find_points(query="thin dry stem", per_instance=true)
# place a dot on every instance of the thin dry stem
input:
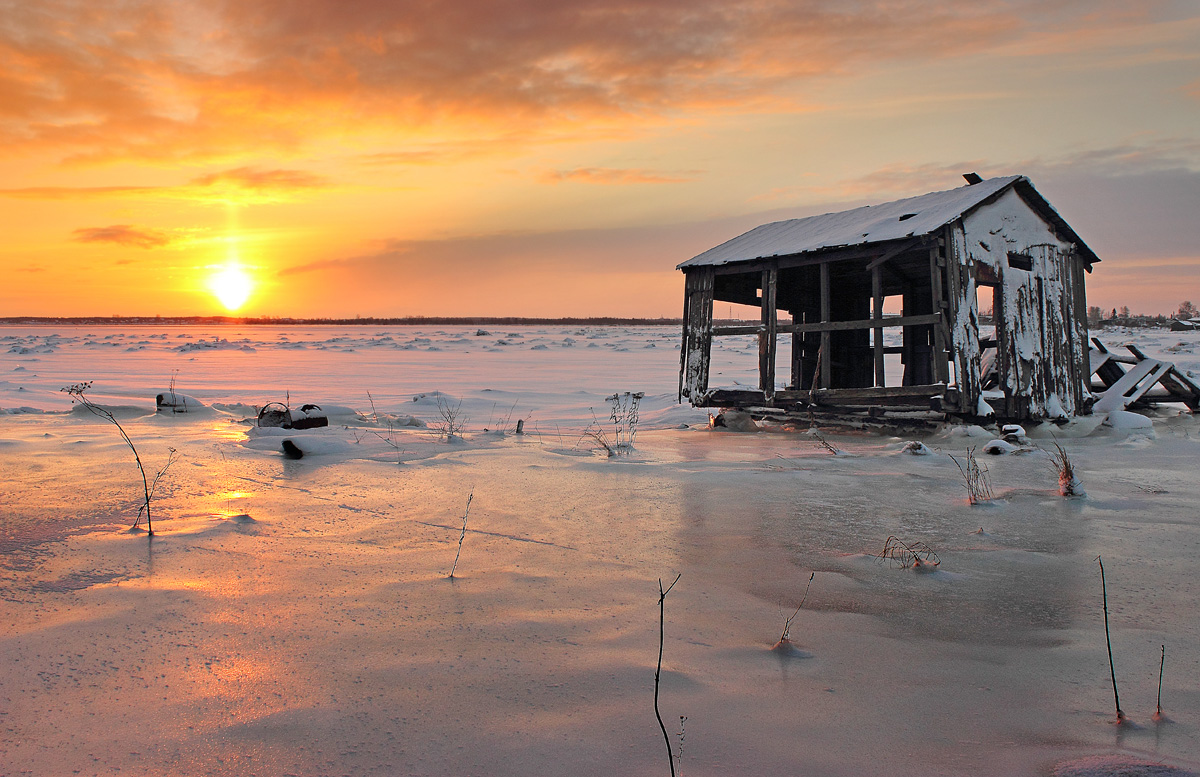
(662, 597)
(463, 535)
(77, 392)
(787, 623)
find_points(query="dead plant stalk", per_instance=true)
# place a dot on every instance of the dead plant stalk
(662, 619)
(1112, 669)
(975, 479)
(77, 392)
(463, 534)
(787, 623)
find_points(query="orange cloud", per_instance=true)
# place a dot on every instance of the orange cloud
(244, 185)
(206, 81)
(906, 180)
(123, 234)
(609, 175)
(256, 179)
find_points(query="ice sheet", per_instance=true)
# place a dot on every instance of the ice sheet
(294, 616)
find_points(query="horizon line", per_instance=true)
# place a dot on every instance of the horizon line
(342, 321)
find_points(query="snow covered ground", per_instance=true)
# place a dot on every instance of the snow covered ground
(295, 616)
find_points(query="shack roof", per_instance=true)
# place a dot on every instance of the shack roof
(881, 223)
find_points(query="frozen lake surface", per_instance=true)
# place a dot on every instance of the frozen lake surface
(295, 616)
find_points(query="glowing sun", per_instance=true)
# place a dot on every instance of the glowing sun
(231, 285)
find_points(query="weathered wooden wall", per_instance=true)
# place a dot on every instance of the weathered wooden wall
(697, 334)
(963, 315)
(1041, 332)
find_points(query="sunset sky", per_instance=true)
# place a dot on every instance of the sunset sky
(534, 158)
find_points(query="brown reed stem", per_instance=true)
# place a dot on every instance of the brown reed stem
(1111, 667)
(662, 596)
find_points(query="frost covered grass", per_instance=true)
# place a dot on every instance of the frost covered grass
(451, 423)
(915, 555)
(974, 478)
(1068, 483)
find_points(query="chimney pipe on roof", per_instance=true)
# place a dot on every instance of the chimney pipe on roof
(972, 178)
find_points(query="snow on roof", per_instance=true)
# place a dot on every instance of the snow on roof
(873, 224)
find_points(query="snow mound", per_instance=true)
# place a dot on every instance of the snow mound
(314, 446)
(734, 421)
(999, 448)
(170, 401)
(1123, 419)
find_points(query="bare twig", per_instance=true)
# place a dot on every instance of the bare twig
(679, 757)
(154, 484)
(1111, 666)
(1161, 663)
(390, 439)
(821, 441)
(597, 434)
(787, 624)
(662, 596)
(77, 393)
(452, 423)
(463, 535)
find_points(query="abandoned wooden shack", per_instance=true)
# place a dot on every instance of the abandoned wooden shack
(877, 309)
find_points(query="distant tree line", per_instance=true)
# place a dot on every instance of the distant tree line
(1098, 317)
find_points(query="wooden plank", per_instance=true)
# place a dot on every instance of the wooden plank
(1137, 352)
(767, 338)
(832, 326)
(825, 377)
(881, 393)
(1098, 359)
(1182, 388)
(918, 397)
(1108, 368)
(1131, 386)
(744, 329)
(893, 253)
(877, 318)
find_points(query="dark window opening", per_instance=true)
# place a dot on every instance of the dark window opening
(1020, 261)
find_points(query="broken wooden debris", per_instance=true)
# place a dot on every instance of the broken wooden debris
(1127, 381)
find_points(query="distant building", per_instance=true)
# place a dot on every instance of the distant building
(935, 255)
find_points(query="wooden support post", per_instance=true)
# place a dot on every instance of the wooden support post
(877, 317)
(767, 337)
(941, 367)
(698, 338)
(825, 378)
(962, 318)
(685, 347)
